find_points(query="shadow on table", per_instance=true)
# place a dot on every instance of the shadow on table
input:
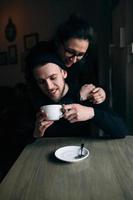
(51, 157)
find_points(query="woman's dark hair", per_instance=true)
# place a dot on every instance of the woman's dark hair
(74, 27)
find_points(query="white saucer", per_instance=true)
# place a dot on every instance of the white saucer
(71, 153)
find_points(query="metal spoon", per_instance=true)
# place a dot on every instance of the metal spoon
(82, 146)
(81, 152)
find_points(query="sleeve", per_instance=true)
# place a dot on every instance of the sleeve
(107, 120)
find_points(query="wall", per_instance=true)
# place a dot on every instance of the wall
(122, 62)
(129, 64)
(118, 60)
(37, 16)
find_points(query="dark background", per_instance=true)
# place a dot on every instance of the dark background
(112, 24)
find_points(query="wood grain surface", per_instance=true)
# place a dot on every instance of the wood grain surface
(107, 174)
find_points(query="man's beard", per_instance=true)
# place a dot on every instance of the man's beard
(62, 93)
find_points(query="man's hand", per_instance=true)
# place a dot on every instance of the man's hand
(41, 124)
(95, 94)
(76, 112)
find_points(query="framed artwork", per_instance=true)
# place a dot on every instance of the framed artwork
(3, 58)
(30, 40)
(12, 54)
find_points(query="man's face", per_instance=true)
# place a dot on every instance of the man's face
(73, 50)
(51, 80)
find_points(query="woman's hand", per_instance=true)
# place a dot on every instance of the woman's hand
(95, 94)
(41, 124)
(98, 95)
(76, 112)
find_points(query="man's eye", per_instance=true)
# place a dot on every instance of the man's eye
(53, 77)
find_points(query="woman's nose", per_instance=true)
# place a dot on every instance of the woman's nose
(74, 59)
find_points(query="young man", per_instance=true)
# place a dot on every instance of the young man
(47, 77)
(71, 43)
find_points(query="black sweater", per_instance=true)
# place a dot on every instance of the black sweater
(105, 119)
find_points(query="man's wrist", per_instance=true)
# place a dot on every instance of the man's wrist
(92, 112)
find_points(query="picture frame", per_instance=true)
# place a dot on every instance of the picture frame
(30, 40)
(12, 54)
(3, 58)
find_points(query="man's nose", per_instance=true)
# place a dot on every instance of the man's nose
(49, 84)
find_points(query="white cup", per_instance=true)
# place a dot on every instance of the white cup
(53, 112)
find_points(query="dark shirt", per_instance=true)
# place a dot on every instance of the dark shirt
(105, 119)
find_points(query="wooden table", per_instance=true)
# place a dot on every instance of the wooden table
(107, 174)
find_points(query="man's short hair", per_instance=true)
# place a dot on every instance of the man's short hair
(39, 59)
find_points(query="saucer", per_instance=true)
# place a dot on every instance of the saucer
(71, 153)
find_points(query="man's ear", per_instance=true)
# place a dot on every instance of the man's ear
(64, 72)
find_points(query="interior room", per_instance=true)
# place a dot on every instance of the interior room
(24, 23)
(37, 20)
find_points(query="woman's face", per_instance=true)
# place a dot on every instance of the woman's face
(73, 50)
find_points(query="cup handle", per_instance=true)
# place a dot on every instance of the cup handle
(61, 115)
